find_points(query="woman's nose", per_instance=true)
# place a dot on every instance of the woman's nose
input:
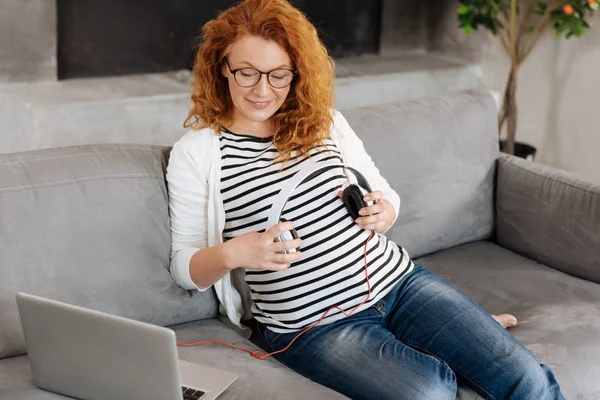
(262, 88)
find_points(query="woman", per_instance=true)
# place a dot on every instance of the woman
(261, 113)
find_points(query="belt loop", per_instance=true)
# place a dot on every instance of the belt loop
(380, 306)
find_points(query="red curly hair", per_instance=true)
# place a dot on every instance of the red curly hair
(305, 118)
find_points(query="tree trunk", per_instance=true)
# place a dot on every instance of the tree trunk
(508, 115)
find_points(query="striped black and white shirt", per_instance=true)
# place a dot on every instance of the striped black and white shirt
(331, 270)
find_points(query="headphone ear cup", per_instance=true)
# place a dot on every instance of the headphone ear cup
(287, 235)
(353, 200)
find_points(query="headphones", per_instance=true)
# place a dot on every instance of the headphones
(352, 197)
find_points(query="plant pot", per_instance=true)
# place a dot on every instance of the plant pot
(522, 150)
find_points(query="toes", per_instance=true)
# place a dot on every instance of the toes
(506, 320)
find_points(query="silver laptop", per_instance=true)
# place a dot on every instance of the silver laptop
(87, 354)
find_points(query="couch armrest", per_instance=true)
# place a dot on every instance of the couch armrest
(549, 215)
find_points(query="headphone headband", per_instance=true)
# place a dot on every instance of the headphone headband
(301, 176)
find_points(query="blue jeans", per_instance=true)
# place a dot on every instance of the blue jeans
(415, 343)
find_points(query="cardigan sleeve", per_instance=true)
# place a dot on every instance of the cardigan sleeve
(187, 182)
(355, 155)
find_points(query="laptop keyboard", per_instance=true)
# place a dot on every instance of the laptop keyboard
(191, 394)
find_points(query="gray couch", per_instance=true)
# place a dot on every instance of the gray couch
(89, 225)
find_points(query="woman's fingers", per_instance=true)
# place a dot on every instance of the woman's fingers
(286, 258)
(373, 209)
(376, 195)
(278, 229)
(368, 220)
(280, 247)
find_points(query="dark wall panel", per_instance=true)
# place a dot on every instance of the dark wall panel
(347, 27)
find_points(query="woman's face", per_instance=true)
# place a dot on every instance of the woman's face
(257, 103)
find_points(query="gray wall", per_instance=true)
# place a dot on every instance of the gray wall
(558, 93)
(558, 98)
(27, 40)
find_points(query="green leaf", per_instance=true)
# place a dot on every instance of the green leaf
(464, 10)
(543, 5)
(530, 29)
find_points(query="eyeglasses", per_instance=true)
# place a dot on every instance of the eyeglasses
(248, 77)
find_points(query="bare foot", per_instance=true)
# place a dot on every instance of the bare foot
(506, 320)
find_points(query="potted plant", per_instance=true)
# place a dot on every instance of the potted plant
(519, 24)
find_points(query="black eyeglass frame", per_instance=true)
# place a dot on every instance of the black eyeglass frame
(234, 71)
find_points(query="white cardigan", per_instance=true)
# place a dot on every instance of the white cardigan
(197, 213)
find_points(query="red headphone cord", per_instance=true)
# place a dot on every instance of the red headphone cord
(261, 355)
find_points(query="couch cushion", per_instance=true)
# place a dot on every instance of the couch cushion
(257, 379)
(549, 215)
(89, 225)
(439, 155)
(559, 315)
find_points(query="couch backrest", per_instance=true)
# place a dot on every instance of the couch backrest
(89, 225)
(439, 154)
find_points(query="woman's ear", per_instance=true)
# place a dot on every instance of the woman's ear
(224, 69)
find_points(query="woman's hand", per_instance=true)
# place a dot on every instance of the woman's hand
(377, 217)
(260, 251)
